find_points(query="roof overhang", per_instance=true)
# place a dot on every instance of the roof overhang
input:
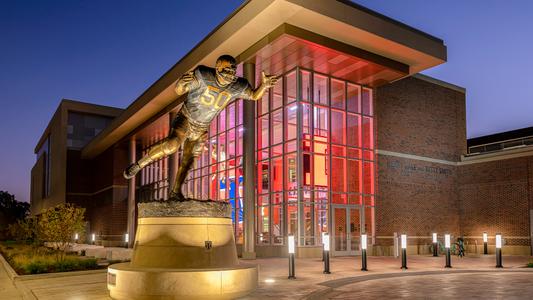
(340, 21)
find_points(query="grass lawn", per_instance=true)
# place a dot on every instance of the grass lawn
(26, 259)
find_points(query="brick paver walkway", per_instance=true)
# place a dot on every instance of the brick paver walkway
(426, 277)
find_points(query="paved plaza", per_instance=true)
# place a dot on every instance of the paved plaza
(426, 278)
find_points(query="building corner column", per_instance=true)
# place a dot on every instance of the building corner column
(248, 251)
(132, 216)
(173, 159)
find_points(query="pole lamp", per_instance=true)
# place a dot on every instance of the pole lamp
(447, 244)
(499, 251)
(363, 252)
(435, 245)
(325, 241)
(291, 256)
(485, 241)
(403, 239)
(324, 234)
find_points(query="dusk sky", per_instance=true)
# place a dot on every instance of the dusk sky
(109, 52)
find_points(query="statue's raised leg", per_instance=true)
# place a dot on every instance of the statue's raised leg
(163, 148)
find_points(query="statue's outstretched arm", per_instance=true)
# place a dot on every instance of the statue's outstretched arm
(267, 81)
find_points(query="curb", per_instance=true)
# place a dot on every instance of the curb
(18, 280)
(13, 276)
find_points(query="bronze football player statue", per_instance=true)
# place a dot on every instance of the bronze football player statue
(210, 90)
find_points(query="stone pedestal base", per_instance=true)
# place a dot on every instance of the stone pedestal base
(126, 282)
(183, 250)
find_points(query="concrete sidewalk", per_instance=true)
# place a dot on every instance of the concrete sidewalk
(8, 290)
(310, 282)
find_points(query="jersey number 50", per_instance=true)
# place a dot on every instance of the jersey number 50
(212, 96)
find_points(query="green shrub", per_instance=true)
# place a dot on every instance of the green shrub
(26, 259)
(36, 267)
(530, 264)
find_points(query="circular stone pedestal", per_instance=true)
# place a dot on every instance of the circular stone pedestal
(127, 282)
(183, 250)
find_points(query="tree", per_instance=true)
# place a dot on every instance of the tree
(11, 210)
(24, 230)
(59, 224)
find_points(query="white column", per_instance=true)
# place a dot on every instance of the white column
(248, 251)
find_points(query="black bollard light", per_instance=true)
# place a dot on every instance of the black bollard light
(93, 239)
(435, 245)
(325, 241)
(404, 251)
(447, 244)
(363, 252)
(485, 240)
(324, 234)
(76, 237)
(126, 240)
(499, 251)
(291, 256)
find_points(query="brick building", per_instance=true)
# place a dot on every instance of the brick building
(352, 140)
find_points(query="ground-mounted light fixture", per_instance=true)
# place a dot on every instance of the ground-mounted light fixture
(324, 234)
(325, 242)
(403, 242)
(93, 238)
(76, 237)
(126, 239)
(485, 241)
(363, 252)
(290, 242)
(447, 245)
(499, 251)
(435, 245)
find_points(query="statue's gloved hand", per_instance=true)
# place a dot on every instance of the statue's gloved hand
(268, 81)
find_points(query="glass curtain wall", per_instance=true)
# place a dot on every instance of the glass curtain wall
(153, 182)
(218, 173)
(315, 148)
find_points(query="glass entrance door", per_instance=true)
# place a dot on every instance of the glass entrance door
(346, 222)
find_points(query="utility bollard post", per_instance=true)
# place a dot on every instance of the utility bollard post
(447, 244)
(291, 257)
(435, 245)
(499, 251)
(485, 240)
(404, 251)
(325, 241)
(363, 252)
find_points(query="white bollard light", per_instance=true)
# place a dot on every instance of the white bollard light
(499, 241)
(325, 241)
(364, 245)
(485, 240)
(499, 251)
(447, 245)
(403, 239)
(435, 245)
(447, 242)
(290, 241)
